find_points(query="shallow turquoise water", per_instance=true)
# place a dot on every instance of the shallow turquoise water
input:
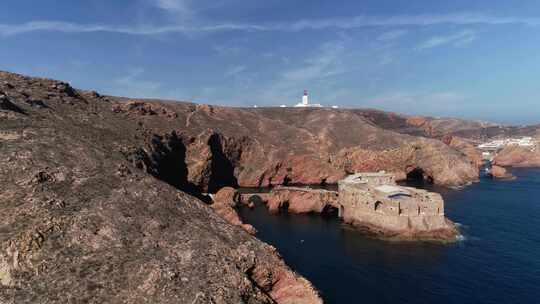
(498, 262)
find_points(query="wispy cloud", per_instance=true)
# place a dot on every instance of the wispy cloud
(182, 10)
(405, 20)
(458, 39)
(172, 5)
(234, 71)
(66, 27)
(326, 63)
(336, 23)
(392, 35)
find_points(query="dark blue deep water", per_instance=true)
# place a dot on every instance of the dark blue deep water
(498, 262)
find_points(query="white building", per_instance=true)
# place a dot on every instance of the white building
(305, 102)
(500, 143)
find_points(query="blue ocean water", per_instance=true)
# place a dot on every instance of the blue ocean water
(497, 262)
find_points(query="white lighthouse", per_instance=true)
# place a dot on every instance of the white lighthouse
(305, 102)
(305, 99)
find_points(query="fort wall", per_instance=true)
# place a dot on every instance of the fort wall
(374, 201)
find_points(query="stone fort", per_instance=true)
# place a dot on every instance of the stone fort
(374, 201)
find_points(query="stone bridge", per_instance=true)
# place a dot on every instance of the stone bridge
(297, 199)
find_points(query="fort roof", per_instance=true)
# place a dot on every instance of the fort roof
(360, 177)
(391, 190)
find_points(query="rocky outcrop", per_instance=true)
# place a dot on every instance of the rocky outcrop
(144, 108)
(100, 194)
(6, 105)
(83, 221)
(514, 156)
(436, 162)
(301, 200)
(225, 202)
(499, 173)
(283, 146)
(468, 149)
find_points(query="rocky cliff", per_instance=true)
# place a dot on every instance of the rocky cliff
(302, 200)
(466, 147)
(94, 191)
(514, 156)
(279, 146)
(81, 223)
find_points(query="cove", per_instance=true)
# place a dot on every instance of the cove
(497, 262)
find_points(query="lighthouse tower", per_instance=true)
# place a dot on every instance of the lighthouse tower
(305, 99)
(305, 102)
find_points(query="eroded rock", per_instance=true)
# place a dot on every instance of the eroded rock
(499, 172)
(301, 200)
(515, 156)
(224, 203)
(82, 224)
(7, 105)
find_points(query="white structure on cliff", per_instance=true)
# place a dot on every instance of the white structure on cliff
(305, 102)
(501, 143)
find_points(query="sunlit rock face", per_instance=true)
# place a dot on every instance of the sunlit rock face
(514, 156)
(102, 196)
(499, 172)
(289, 146)
(301, 200)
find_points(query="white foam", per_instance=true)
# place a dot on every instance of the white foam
(461, 238)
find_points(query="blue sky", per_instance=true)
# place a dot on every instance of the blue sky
(472, 59)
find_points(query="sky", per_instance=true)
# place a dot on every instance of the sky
(462, 58)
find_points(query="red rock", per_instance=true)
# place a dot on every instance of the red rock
(301, 200)
(440, 164)
(515, 156)
(417, 121)
(143, 109)
(227, 196)
(499, 172)
(224, 204)
(76, 206)
(467, 148)
(274, 146)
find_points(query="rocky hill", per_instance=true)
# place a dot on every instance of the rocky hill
(94, 191)
(81, 224)
(514, 156)
(270, 146)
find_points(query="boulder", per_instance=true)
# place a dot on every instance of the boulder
(499, 172)
(227, 196)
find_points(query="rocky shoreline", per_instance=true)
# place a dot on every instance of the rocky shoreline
(409, 214)
(517, 157)
(104, 199)
(82, 221)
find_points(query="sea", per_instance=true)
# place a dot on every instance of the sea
(496, 260)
